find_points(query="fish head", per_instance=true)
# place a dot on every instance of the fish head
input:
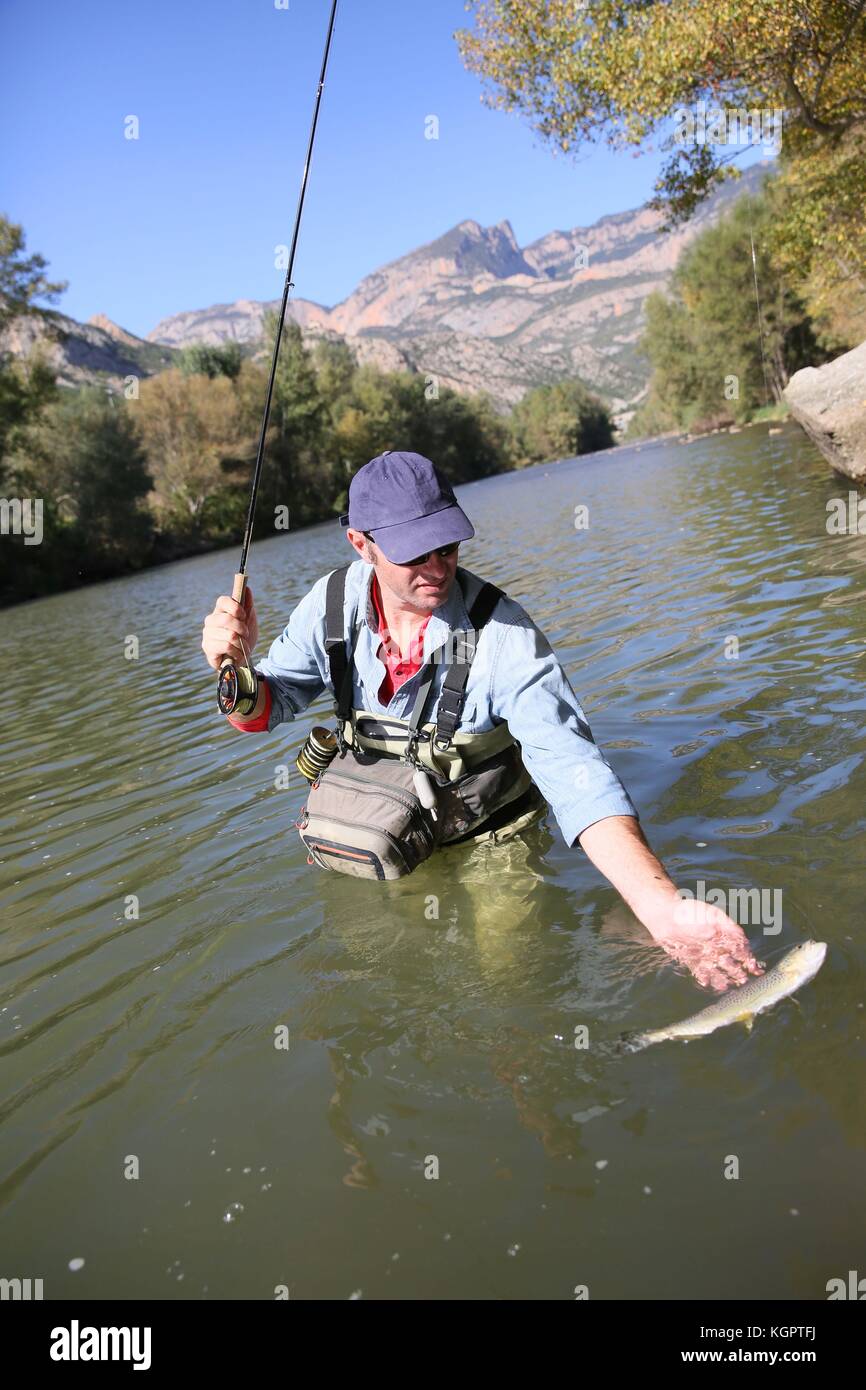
(804, 962)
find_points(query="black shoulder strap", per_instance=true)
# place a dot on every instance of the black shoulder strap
(453, 691)
(335, 643)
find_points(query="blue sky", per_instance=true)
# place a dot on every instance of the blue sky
(189, 214)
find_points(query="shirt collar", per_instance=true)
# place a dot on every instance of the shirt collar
(375, 603)
(450, 616)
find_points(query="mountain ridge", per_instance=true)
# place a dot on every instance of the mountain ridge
(476, 310)
(470, 308)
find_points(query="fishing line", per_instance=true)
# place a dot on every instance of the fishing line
(238, 682)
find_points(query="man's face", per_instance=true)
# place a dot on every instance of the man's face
(418, 587)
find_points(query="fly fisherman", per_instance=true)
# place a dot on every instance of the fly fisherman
(455, 721)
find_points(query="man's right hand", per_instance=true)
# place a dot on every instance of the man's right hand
(225, 628)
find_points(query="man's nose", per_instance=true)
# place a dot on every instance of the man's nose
(436, 567)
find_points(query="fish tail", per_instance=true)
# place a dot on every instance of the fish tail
(630, 1042)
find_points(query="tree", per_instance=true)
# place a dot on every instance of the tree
(335, 368)
(26, 386)
(195, 430)
(559, 421)
(22, 278)
(395, 410)
(297, 404)
(81, 458)
(462, 434)
(622, 70)
(819, 237)
(207, 360)
(715, 357)
(376, 416)
(85, 455)
(298, 476)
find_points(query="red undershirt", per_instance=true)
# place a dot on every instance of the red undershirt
(397, 668)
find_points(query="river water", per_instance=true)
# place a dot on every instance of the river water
(153, 1129)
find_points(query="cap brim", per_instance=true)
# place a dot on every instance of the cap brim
(407, 539)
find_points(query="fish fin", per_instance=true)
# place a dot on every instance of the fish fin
(747, 1019)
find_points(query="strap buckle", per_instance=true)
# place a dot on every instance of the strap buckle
(463, 647)
(450, 704)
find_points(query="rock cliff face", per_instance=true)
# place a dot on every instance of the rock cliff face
(830, 404)
(472, 308)
(84, 353)
(477, 311)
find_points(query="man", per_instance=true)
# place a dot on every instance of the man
(405, 525)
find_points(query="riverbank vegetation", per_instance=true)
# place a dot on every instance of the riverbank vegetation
(705, 80)
(163, 468)
(729, 333)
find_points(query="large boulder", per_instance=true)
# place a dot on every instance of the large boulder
(830, 403)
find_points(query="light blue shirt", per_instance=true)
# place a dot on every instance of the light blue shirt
(515, 676)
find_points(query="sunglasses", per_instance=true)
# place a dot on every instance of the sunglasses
(444, 551)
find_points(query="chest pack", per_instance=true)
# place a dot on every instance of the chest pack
(399, 788)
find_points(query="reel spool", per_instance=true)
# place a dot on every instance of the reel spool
(318, 752)
(237, 689)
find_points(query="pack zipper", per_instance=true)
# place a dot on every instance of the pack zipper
(407, 798)
(351, 825)
(404, 799)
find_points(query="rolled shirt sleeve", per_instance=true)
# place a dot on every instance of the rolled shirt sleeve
(532, 692)
(296, 661)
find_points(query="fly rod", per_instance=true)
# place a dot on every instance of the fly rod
(239, 682)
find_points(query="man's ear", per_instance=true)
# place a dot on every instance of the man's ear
(363, 549)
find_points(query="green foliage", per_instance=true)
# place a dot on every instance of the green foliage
(204, 359)
(770, 413)
(819, 237)
(298, 474)
(82, 459)
(22, 278)
(195, 430)
(25, 387)
(653, 417)
(463, 434)
(559, 421)
(298, 406)
(621, 70)
(704, 339)
(335, 369)
(405, 411)
(84, 453)
(125, 482)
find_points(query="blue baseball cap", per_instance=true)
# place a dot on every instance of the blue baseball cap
(407, 506)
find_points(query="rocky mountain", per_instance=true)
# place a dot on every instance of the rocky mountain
(478, 311)
(84, 353)
(472, 308)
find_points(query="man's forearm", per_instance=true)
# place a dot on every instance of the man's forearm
(694, 933)
(618, 849)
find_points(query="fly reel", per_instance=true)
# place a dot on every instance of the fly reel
(237, 690)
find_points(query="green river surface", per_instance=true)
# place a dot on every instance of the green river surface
(413, 1037)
